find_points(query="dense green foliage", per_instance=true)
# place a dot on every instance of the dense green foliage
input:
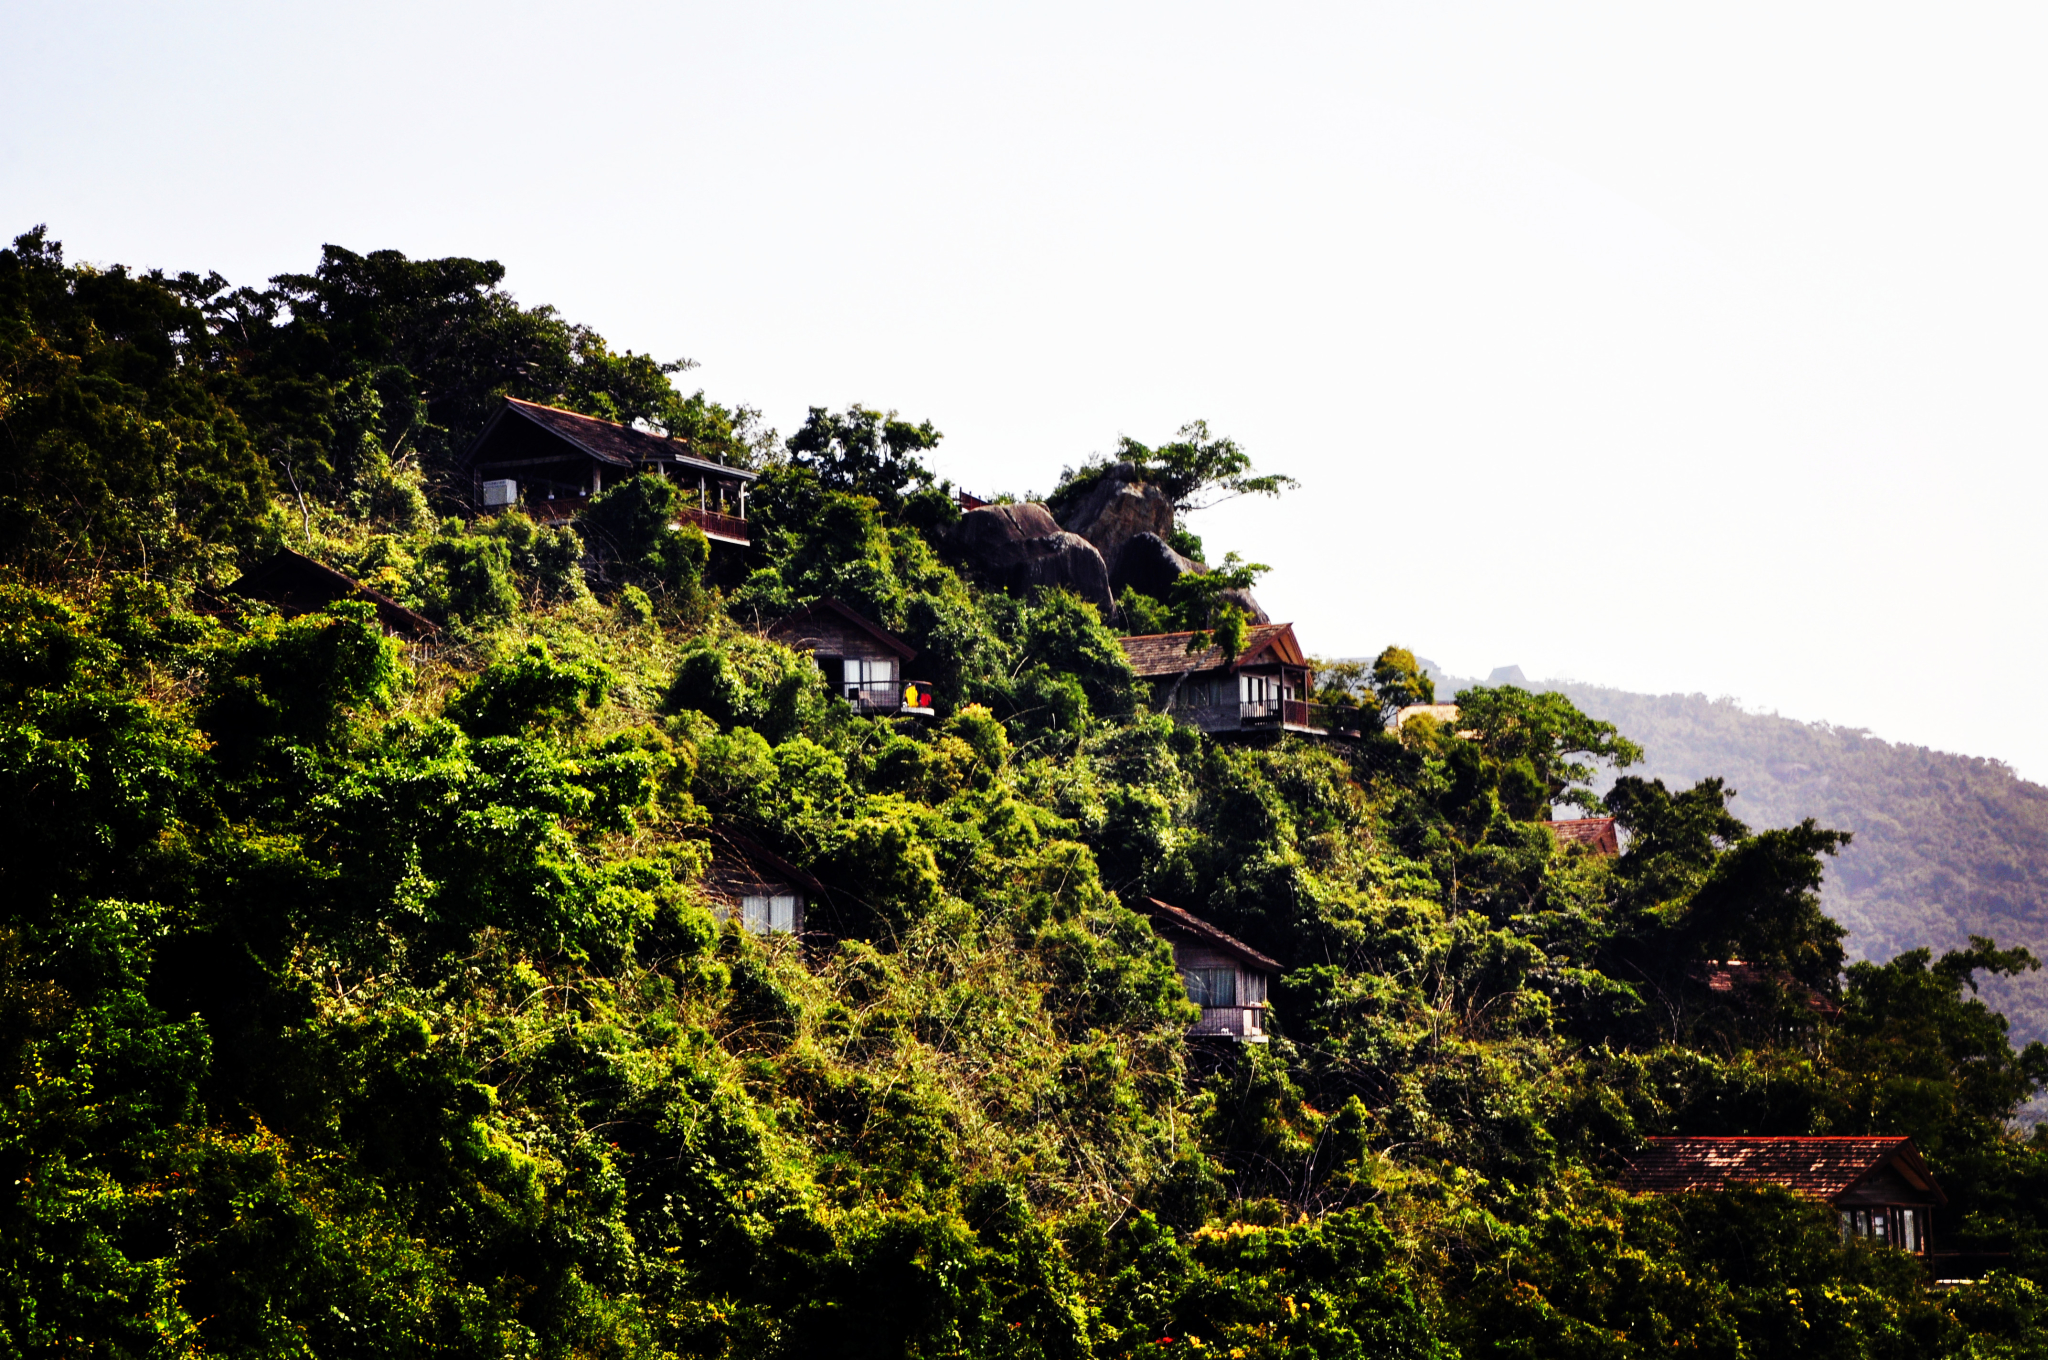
(358, 1000)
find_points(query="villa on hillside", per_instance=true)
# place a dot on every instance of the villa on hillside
(550, 462)
(863, 661)
(1879, 1186)
(296, 584)
(753, 885)
(1264, 688)
(1225, 976)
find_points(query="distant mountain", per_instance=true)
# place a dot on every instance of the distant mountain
(1946, 846)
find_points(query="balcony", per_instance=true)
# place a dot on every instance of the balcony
(717, 527)
(1288, 715)
(1232, 1022)
(890, 698)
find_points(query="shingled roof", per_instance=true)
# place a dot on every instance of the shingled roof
(1168, 917)
(1167, 653)
(1596, 832)
(1820, 1167)
(605, 440)
(789, 628)
(298, 584)
(1734, 978)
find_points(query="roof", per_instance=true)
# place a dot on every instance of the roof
(746, 848)
(1168, 917)
(1821, 1167)
(1732, 976)
(605, 440)
(1597, 832)
(835, 609)
(299, 584)
(1168, 654)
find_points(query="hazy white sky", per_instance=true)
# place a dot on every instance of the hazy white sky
(1668, 347)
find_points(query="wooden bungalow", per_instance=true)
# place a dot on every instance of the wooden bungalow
(1596, 833)
(296, 584)
(550, 462)
(1264, 688)
(751, 884)
(1225, 976)
(1879, 1186)
(863, 661)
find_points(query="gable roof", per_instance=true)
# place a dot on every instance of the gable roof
(1597, 832)
(298, 584)
(1172, 919)
(1167, 653)
(605, 440)
(746, 848)
(831, 609)
(1821, 1167)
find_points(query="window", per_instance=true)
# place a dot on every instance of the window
(867, 675)
(766, 915)
(1211, 986)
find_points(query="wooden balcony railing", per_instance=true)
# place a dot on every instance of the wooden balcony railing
(731, 528)
(889, 698)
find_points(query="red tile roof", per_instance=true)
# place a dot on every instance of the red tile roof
(1597, 832)
(1168, 917)
(1820, 1167)
(1168, 654)
(605, 440)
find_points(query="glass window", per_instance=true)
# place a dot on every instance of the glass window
(1211, 986)
(1909, 1230)
(765, 914)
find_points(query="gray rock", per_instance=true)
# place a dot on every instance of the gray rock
(1149, 564)
(1118, 509)
(1018, 546)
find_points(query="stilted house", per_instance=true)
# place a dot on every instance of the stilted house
(296, 584)
(1225, 976)
(1879, 1186)
(1596, 833)
(863, 661)
(550, 462)
(751, 884)
(1264, 688)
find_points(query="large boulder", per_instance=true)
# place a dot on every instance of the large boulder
(1149, 564)
(1120, 507)
(1017, 546)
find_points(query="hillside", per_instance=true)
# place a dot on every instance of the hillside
(1946, 846)
(583, 913)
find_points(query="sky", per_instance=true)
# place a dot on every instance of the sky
(1673, 348)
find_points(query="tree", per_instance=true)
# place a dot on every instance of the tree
(1196, 470)
(866, 452)
(1545, 731)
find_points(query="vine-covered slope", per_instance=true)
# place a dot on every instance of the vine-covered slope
(359, 998)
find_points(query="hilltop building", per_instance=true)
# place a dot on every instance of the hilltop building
(1225, 976)
(1264, 688)
(550, 462)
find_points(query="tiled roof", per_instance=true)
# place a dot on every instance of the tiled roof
(1733, 977)
(606, 440)
(1169, 917)
(1168, 654)
(1597, 832)
(1820, 1167)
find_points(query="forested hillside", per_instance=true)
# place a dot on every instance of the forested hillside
(363, 996)
(1946, 846)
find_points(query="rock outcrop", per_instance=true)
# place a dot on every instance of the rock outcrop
(1117, 509)
(1149, 564)
(1016, 546)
